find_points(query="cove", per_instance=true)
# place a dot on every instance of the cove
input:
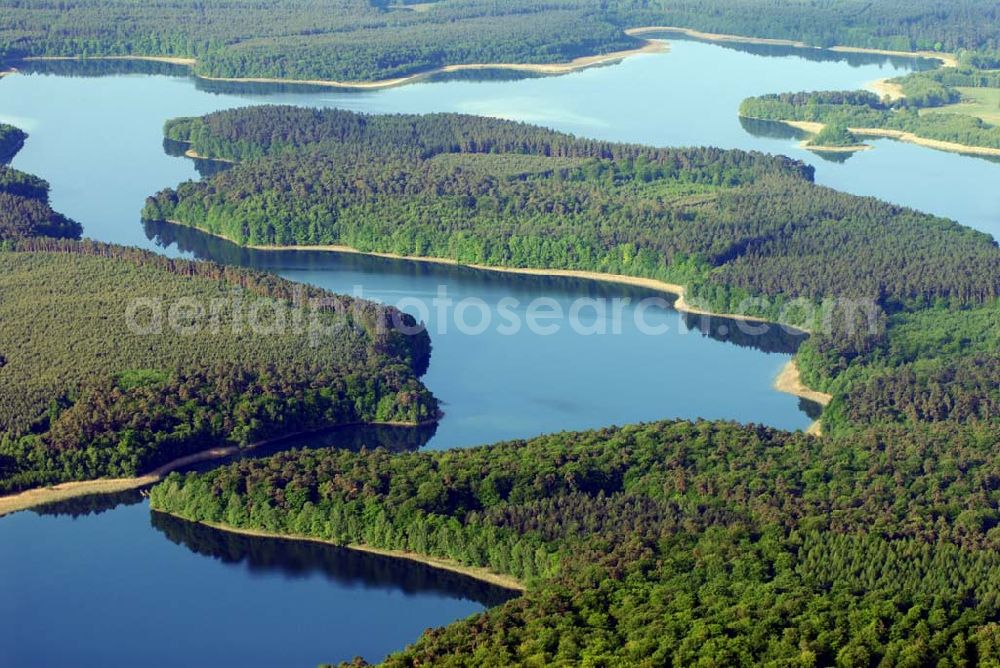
(220, 600)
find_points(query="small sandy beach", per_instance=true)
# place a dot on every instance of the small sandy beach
(789, 381)
(885, 88)
(194, 155)
(909, 137)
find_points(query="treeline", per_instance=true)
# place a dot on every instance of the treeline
(352, 40)
(671, 542)
(11, 141)
(208, 355)
(397, 49)
(251, 132)
(24, 198)
(922, 92)
(356, 40)
(933, 365)
(885, 24)
(729, 224)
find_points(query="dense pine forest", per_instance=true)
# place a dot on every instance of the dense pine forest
(11, 141)
(24, 198)
(872, 543)
(217, 355)
(93, 391)
(86, 395)
(730, 225)
(357, 40)
(672, 543)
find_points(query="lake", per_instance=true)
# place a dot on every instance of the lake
(103, 582)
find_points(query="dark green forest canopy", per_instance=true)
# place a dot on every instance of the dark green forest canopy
(364, 40)
(669, 543)
(24, 198)
(90, 388)
(728, 224)
(11, 141)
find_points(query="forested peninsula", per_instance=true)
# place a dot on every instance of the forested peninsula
(730, 226)
(212, 355)
(370, 40)
(923, 110)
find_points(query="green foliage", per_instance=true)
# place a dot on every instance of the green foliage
(354, 40)
(730, 225)
(932, 365)
(11, 141)
(923, 91)
(834, 134)
(90, 390)
(24, 198)
(667, 543)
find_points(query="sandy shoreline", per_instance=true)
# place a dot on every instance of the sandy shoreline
(475, 572)
(835, 149)
(583, 62)
(946, 59)
(887, 89)
(789, 381)
(651, 46)
(900, 135)
(172, 60)
(678, 291)
(194, 155)
(39, 496)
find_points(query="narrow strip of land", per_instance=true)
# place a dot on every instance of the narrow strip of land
(40, 496)
(475, 572)
(583, 62)
(946, 59)
(901, 135)
(172, 60)
(68, 490)
(835, 149)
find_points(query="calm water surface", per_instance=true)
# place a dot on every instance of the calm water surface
(121, 586)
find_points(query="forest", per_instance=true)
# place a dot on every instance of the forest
(914, 112)
(730, 225)
(361, 40)
(672, 543)
(24, 198)
(11, 141)
(88, 392)
(216, 355)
